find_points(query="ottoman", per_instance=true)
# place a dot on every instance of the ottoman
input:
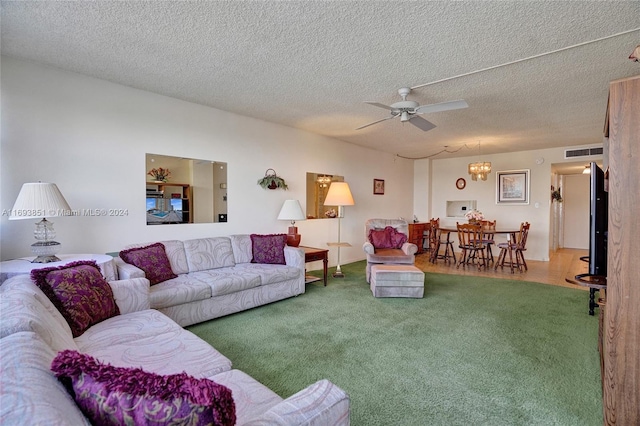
(397, 281)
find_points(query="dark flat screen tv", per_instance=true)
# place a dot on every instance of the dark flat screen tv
(598, 223)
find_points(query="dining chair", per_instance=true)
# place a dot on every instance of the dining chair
(516, 247)
(488, 236)
(470, 237)
(440, 238)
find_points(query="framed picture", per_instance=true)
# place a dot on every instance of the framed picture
(512, 187)
(378, 187)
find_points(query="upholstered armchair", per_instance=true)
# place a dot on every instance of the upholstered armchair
(386, 243)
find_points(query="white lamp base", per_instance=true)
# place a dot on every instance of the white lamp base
(45, 251)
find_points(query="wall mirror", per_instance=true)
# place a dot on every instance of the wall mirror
(185, 190)
(317, 187)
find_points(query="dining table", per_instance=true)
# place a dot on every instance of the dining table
(511, 232)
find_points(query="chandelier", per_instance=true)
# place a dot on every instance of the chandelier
(324, 180)
(479, 169)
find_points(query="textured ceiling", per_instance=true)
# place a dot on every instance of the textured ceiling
(311, 65)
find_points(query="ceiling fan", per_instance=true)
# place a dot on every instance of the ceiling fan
(410, 110)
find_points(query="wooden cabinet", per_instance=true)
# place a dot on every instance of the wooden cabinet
(621, 345)
(416, 234)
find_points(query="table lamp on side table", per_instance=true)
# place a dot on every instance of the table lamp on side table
(339, 195)
(291, 210)
(41, 200)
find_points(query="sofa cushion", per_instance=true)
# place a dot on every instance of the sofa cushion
(152, 259)
(30, 394)
(228, 280)
(242, 248)
(25, 307)
(208, 253)
(151, 339)
(268, 248)
(177, 291)
(111, 395)
(79, 291)
(390, 256)
(270, 274)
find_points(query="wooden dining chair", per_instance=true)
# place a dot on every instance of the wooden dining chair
(470, 237)
(516, 247)
(439, 239)
(487, 227)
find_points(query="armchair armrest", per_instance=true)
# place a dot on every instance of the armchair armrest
(131, 295)
(320, 404)
(127, 271)
(294, 256)
(368, 248)
(409, 248)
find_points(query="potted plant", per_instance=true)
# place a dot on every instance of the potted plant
(160, 174)
(272, 181)
(474, 216)
(556, 195)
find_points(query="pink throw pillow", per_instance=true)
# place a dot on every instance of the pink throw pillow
(152, 259)
(268, 248)
(79, 291)
(110, 395)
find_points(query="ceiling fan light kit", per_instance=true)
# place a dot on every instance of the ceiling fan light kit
(410, 110)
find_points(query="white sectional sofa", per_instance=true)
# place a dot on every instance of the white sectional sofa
(216, 277)
(33, 331)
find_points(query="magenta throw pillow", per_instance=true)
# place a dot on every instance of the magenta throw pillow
(396, 238)
(389, 237)
(152, 259)
(268, 248)
(379, 238)
(79, 291)
(109, 395)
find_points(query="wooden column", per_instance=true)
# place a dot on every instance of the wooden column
(621, 381)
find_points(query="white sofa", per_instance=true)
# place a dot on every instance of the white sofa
(32, 332)
(216, 278)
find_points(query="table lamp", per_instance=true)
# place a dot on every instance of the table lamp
(339, 195)
(41, 200)
(291, 210)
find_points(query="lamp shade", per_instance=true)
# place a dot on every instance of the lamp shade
(39, 200)
(291, 210)
(339, 194)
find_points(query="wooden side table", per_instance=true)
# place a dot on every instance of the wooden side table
(594, 282)
(312, 254)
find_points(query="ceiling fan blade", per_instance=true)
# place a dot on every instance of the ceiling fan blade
(442, 106)
(376, 122)
(379, 105)
(421, 123)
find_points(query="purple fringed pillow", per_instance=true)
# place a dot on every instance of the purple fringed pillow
(152, 259)
(109, 395)
(379, 238)
(79, 291)
(268, 248)
(396, 238)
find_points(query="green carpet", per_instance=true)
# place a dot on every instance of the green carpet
(473, 351)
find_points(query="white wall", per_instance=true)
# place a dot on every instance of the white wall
(575, 195)
(445, 172)
(90, 137)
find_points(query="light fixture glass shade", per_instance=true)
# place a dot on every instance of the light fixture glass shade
(291, 210)
(587, 170)
(38, 201)
(339, 194)
(479, 170)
